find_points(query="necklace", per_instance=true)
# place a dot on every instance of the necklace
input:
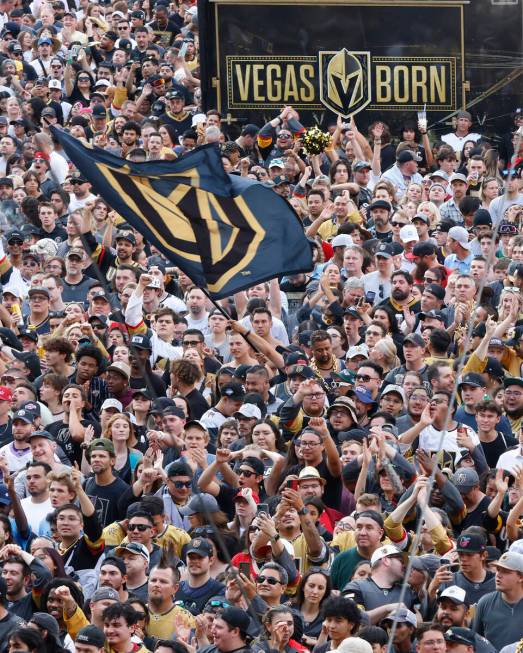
(334, 366)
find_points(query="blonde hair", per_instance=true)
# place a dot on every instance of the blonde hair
(387, 348)
(435, 215)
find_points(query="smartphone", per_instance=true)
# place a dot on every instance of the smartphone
(183, 50)
(245, 569)
(370, 296)
(297, 562)
(263, 507)
(293, 484)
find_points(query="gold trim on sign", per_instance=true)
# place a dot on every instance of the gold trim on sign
(218, 66)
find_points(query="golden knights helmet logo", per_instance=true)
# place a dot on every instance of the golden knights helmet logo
(345, 81)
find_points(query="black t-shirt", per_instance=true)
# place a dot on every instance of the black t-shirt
(197, 404)
(159, 387)
(63, 437)
(494, 449)
(194, 599)
(105, 499)
(58, 234)
(333, 486)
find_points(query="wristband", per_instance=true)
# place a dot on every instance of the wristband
(275, 538)
(247, 333)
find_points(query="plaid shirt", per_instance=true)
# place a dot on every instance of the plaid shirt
(449, 211)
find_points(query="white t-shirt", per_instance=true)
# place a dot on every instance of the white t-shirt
(429, 439)
(510, 459)
(457, 142)
(36, 512)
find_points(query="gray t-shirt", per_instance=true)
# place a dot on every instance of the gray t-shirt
(498, 621)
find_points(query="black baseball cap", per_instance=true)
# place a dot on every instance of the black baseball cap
(233, 390)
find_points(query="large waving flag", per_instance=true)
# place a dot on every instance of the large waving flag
(225, 232)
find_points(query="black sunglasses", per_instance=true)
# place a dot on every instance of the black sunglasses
(181, 484)
(138, 527)
(246, 472)
(270, 580)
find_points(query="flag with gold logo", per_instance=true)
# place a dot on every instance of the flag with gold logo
(225, 232)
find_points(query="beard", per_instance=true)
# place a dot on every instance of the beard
(420, 270)
(400, 295)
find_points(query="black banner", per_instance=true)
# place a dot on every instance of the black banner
(377, 58)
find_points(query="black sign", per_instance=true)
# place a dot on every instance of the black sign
(350, 57)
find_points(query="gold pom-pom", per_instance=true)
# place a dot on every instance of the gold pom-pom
(315, 141)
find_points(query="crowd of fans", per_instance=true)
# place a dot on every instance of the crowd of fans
(329, 461)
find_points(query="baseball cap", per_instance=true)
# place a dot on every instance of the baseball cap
(249, 410)
(100, 295)
(384, 250)
(38, 290)
(385, 551)
(415, 339)
(408, 234)
(380, 204)
(341, 240)
(402, 616)
(24, 415)
(41, 434)
(361, 165)
(304, 371)
(397, 389)
(353, 312)
(112, 403)
(75, 251)
(421, 216)
(363, 395)
(141, 341)
(126, 235)
(464, 114)
(465, 479)
(281, 179)
(511, 560)
(453, 593)
(233, 390)
(133, 547)
(457, 176)
(179, 468)
(14, 234)
(345, 376)
(460, 635)
(200, 503)
(276, 163)
(357, 350)
(496, 342)
(99, 111)
(250, 130)
(435, 290)
(235, 617)
(200, 546)
(470, 543)
(406, 156)
(101, 444)
(473, 379)
(353, 645)
(437, 315)
(105, 593)
(92, 635)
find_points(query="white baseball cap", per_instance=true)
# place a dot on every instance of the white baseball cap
(408, 234)
(341, 240)
(353, 645)
(112, 403)
(384, 552)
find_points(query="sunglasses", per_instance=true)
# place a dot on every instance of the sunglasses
(138, 527)
(219, 604)
(266, 579)
(398, 224)
(200, 531)
(284, 135)
(181, 484)
(246, 472)
(365, 377)
(190, 343)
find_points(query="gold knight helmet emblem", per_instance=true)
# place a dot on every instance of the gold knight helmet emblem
(345, 81)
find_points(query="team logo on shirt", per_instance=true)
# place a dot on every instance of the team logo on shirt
(345, 81)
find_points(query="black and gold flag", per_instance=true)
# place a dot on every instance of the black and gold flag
(225, 232)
